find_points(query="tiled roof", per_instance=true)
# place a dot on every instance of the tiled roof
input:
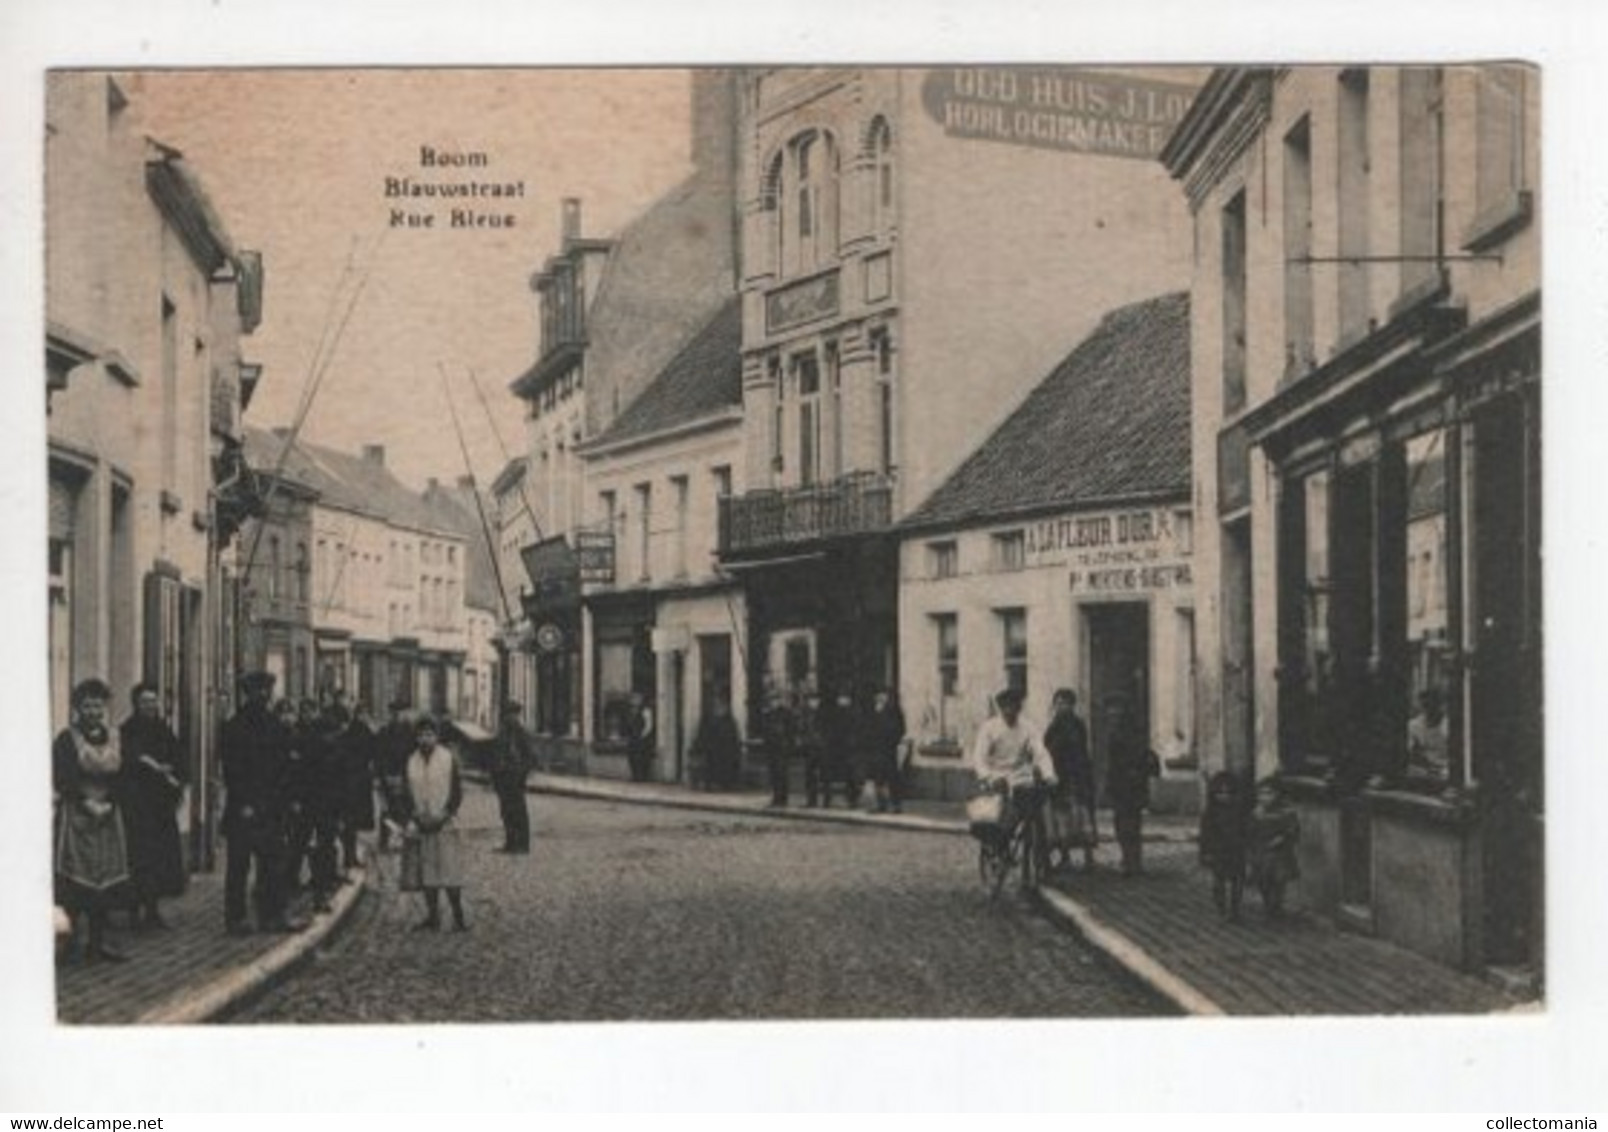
(704, 377)
(1111, 422)
(343, 480)
(456, 505)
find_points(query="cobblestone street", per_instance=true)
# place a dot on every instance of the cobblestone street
(632, 912)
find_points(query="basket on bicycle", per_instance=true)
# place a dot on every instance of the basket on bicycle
(989, 813)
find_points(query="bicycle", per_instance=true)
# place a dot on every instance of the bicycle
(1006, 822)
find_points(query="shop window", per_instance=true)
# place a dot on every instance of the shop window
(1010, 550)
(1013, 632)
(1307, 664)
(1428, 669)
(614, 690)
(943, 559)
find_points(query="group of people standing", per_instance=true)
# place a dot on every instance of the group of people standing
(843, 745)
(1009, 750)
(117, 795)
(298, 789)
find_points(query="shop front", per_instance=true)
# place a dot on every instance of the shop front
(554, 612)
(623, 675)
(1409, 631)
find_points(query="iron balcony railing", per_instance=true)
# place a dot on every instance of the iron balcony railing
(775, 518)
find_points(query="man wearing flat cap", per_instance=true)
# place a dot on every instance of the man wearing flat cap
(255, 752)
(511, 761)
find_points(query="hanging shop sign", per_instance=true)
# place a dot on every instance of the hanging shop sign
(549, 637)
(1064, 108)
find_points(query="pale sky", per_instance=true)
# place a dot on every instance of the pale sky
(295, 162)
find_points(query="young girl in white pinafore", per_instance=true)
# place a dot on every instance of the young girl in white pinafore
(434, 793)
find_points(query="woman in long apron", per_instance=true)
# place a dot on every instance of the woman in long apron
(91, 855)
(434, 793)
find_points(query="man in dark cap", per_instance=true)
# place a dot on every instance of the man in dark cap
(1130, 765)
(255, 751)
(511, 762)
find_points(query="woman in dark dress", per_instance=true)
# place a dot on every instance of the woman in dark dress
(91, 851)
(1067, 740)
(717, 747)
(153, 770)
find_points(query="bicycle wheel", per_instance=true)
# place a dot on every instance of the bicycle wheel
(1027, 847)
(994, 864)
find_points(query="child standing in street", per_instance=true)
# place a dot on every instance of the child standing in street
(1275, 830)
(1223, 841)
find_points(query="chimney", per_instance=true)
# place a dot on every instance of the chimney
(374, 454)
(714, 123)
(570, 219)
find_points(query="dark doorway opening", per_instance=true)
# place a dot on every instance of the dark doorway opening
(1119, 666)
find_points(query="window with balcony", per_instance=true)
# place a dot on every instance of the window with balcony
(303, 572)
(1299, 351)
(943, 559)
(276, 567)
(834, 384)
(882, 350)
(806, 374)
(1234, 304)
(779, 414)
(1013, 634)
(721, 474)
(1009, 550)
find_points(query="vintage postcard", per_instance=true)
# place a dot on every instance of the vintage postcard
(807, 542)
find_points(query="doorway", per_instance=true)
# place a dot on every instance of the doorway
(1118, 636)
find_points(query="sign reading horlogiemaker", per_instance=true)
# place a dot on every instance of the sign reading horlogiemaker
(1057, 108)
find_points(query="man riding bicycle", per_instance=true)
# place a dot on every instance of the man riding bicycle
(1009, 755)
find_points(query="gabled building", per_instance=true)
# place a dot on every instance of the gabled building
(668, 624)
(1058, 555)
(383, 578)
(147, 303)
(1367, 407)
(614, 313)
(920, 247)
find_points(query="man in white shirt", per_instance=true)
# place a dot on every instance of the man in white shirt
(1008, 749)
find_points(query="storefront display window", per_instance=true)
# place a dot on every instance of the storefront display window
(1428, 643)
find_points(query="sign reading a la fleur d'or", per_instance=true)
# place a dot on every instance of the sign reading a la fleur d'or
(1111, 552)
(1065, 108)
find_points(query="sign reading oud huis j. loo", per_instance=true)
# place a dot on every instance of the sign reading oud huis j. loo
(1064, 108)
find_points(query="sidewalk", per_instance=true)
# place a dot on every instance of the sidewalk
(191, 972)
(1162, 926)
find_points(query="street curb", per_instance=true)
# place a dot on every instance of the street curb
(190, 1008)
(601, 791)
(1130, 956)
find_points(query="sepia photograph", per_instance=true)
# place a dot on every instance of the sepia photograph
(969, 541)
(1052, 545)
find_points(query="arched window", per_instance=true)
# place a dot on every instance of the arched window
(805, 200)
(880, 148)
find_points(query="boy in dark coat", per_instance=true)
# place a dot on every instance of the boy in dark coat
(255, 750)
(1223, 828)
